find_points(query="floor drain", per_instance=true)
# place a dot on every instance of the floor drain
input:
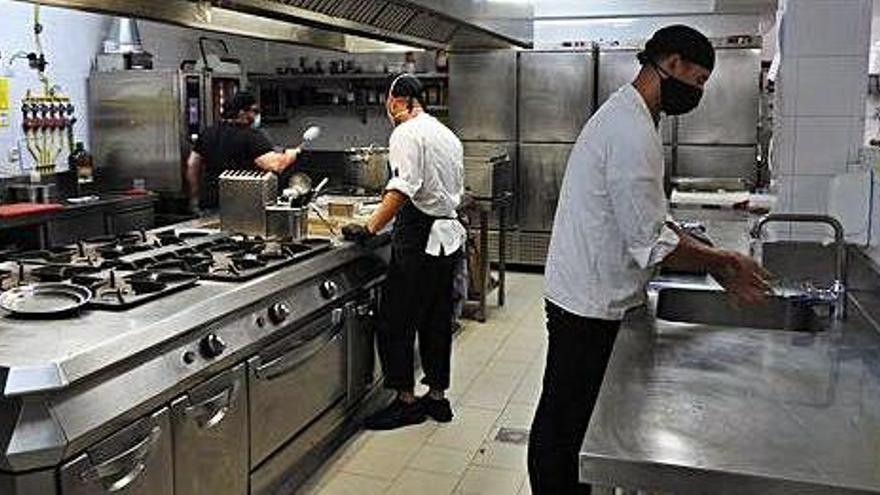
(516, 436)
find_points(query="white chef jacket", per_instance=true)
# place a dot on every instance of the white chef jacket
(427, 165)
(610, 231)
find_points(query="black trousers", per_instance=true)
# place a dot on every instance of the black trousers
(578, 352)
(417, 299)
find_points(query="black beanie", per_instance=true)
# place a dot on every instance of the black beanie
(685, 41)
(407, 86)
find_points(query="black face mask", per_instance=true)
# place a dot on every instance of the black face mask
(676, 96)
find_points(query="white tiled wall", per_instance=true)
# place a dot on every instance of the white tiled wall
(820, 107)
(822, 28)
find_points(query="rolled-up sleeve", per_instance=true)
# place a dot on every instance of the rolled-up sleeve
(407, 174)
(635, 185)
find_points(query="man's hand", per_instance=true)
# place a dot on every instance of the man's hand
(356, 232)
(742, 276)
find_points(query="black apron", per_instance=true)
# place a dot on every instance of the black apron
(412, 228)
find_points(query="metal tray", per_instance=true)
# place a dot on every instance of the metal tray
(45, 300)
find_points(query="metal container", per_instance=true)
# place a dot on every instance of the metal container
(287, 221)
(368, 168)
(488, 176)
(243, 199)
(30, 193)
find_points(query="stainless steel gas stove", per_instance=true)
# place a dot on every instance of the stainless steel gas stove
(205, 363)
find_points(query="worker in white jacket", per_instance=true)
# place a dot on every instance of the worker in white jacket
(426, 188)
(610, 232)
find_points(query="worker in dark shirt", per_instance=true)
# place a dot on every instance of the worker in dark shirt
(235, 143)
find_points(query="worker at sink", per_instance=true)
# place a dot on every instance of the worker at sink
(610, 232)
(426, 188)
(235, 143)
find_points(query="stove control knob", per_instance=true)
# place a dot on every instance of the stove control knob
(279, 312)
(211, 346)
(329, 289)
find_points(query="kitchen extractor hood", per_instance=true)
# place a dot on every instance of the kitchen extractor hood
(332, 23)
(435, 23)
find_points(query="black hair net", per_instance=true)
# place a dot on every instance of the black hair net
(685, 41)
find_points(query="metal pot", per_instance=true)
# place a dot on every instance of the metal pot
(287, 221)
(368, 168)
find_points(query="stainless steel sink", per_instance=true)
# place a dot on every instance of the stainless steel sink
(714, 307)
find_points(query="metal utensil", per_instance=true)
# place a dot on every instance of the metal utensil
(42, 300)
(311, 134)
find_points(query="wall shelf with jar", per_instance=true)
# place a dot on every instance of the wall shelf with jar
(280, 94)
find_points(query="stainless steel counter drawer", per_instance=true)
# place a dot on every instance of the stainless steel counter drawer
(210, 434)
(293, 381)
(136, 460)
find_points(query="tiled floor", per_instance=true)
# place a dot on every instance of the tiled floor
(497, 369)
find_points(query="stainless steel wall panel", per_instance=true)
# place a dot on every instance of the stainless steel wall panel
(482, 95)
(555, 94)
(135, 118)
(728, 113)
(542, 167)
(717, 161)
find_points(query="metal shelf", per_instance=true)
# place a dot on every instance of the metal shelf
(336, 77)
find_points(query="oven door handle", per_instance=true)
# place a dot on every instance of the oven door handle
(212, 411)
(130, 464)
(295, 357)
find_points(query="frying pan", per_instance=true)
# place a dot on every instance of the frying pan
(45, 300)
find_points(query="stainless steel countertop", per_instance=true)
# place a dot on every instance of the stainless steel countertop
(43, 355)
(690, 408)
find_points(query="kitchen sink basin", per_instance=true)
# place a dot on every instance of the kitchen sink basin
(714, 307)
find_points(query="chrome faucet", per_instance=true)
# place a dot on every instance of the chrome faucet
(835, 296)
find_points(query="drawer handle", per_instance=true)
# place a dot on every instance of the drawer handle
(299, 355)
(211, 412)
(129, 464)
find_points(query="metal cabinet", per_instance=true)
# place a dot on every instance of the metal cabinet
(210, 431)
(482, 95)
(136, 460)
(293, 381)
(555, 94)
(72, 227)
(728, 113)
(542, 167)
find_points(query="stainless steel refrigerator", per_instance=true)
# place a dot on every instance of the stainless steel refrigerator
(483, 113)
(720, 138)
(556, 98)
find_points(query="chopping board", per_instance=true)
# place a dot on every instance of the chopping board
(15, 210)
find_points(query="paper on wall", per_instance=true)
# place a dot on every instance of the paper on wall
(4, 102)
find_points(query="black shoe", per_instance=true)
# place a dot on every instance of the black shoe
(438, 409)
(397, 415)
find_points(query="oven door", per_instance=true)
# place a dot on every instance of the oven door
(136, 460)
(210, 428)
(363, 314)
(293, 381)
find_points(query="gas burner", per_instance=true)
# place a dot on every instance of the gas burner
(126, 271)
